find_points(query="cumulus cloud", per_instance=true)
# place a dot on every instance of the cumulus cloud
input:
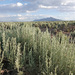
(47, 7)
(30, 6)
(61, 5)
(17, 8)
(19, 4)
(29, 17)
(9, 18)
(33, 5)
(19, 17)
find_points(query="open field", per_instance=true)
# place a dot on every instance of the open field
(37, 48)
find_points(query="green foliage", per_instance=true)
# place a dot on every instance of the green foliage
(36, 52)
(66, 26)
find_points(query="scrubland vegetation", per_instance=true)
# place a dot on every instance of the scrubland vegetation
(33, 51)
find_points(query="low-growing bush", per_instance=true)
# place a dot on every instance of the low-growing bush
(37, 53)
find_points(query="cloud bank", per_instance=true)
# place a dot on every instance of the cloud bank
(33, 5)
(20, 17)
(30, 6)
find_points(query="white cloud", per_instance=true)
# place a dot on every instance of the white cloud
(29, 17)
(68, 2)
(67, 16)
(34, 5)
(17, 8)
(19, 17)
(47, 7)
(30, 11)
(19, 4)
(61, 5)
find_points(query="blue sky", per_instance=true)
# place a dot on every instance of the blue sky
(28, 10)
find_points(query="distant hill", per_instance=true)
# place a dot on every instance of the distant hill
(48, 19)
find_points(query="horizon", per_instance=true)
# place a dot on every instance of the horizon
(29, 10)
